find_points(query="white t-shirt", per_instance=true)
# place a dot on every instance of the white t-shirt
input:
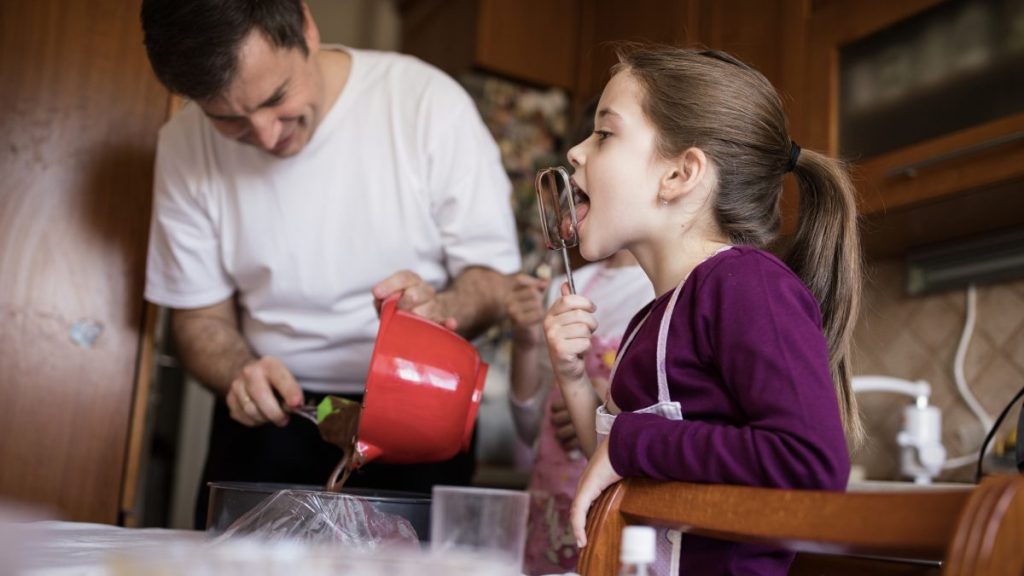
(400, 174)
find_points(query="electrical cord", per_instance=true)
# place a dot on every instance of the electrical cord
(960, 358)
(992, 433)
(960, 379)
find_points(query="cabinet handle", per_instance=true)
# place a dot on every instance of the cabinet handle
(910, 170)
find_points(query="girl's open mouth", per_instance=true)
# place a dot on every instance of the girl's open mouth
(581, 200)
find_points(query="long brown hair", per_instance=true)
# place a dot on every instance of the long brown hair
(712, 101)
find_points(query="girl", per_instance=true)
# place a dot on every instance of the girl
(619, 287)
(738, 371)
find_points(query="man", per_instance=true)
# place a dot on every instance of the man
(300, 187)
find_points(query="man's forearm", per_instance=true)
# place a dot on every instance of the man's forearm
(476, 299)
(210, 344)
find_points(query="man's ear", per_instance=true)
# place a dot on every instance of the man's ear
(683, 175)
(310, 31)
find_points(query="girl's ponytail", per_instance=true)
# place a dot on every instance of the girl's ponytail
(826, 254)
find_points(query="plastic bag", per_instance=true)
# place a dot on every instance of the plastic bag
(323, 518)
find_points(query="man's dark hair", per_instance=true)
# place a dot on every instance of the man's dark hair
(193, 44)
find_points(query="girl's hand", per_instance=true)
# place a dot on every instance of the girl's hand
(568, 326)
(598, 476)
(561, 421)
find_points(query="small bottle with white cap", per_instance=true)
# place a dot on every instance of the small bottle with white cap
(636, 555)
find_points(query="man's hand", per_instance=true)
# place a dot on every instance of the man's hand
(598, 476)
(213, 350)
(251, 398)
(417, 297)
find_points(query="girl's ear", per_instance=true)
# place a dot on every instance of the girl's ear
(684, 175)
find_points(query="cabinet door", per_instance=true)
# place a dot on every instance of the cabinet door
(531, 40)
(81, 110)
(767, 34)
(914, 71)
(606, 22)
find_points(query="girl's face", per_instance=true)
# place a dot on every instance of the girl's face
(616, 172)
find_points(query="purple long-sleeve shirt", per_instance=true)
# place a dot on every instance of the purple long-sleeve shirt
(747, 360)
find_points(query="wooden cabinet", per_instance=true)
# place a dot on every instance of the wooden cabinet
(606, 22)
(81, 110)
(570, 43)
(753, 30)
(530, 40)
(936, 180)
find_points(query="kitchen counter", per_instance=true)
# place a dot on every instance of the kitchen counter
(54, 548)
(84, 549)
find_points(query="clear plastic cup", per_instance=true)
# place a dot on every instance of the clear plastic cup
(486, 521)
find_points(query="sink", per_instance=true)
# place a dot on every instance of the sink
(894, 486)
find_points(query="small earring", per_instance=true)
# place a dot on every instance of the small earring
(664, 202)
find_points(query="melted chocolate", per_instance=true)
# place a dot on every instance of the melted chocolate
(339, 427)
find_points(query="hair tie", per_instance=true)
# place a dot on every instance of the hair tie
(794, 155)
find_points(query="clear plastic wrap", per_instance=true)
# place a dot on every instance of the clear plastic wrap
(323, 518)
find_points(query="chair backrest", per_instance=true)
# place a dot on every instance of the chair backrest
(974, 531)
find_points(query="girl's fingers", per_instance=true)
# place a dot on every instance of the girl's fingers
(573, 302)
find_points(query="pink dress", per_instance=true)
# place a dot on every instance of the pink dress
(550, 547)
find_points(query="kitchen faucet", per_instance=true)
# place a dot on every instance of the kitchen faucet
(922, 454)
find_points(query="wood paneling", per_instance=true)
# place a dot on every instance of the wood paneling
(528, 40)
(750, 30)
(534, 40)
(80, 112)
(442, 32)
(610, 21)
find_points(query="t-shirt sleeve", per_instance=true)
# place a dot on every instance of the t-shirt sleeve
(759, 327)
(527, 414)
(470, 192)
(183, 267)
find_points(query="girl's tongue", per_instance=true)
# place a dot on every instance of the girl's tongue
(582, 202)
(581, 211)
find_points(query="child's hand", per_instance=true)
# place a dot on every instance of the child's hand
(561, 421)
(568, 326)
(598, 476)
(525, 307)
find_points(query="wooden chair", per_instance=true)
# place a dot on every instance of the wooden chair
(974, 531)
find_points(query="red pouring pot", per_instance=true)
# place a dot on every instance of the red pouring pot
(422, 393)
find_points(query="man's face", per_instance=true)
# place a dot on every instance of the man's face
(275, 101)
